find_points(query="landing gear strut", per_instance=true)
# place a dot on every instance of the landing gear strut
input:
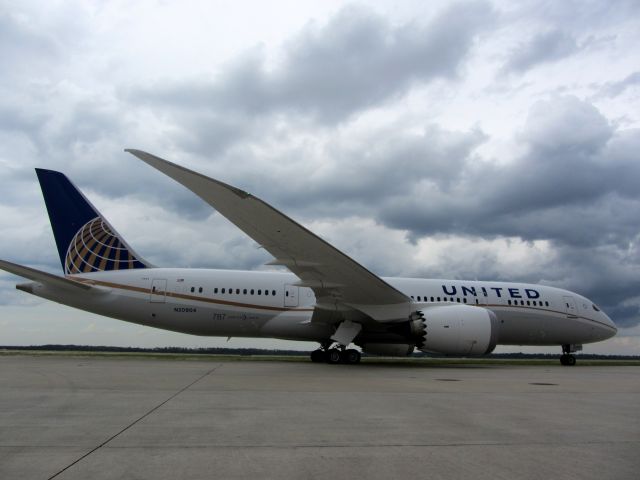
(567, 358)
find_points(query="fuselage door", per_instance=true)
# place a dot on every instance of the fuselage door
(290, 296)
(570, 307)
(158, 292)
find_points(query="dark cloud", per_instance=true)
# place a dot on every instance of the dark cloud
(362, 175)
(356, 61)
(613, 89)
(542, 48)
(577, 175)
(579, 14)
(608, 275)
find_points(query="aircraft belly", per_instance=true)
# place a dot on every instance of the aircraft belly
(296, 325)
(207, 321)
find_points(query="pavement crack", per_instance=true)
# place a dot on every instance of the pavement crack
(149, 412)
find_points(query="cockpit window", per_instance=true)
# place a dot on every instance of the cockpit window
(595, 307)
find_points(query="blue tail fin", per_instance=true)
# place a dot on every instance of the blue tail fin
(86, 242)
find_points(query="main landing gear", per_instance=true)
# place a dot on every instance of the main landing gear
(567, 358)
(336, 355)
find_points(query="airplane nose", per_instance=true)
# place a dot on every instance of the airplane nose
(609, 328)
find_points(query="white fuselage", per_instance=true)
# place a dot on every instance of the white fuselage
(268, 304)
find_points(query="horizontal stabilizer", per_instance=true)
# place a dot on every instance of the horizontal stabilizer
(42, 277)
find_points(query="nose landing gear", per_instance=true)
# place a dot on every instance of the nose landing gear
(567, 358)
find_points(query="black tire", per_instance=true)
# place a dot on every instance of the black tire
(571, 360)
(351, 356)
(333, 356)
(318, 356)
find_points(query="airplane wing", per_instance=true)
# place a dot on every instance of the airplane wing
(42, 277)
(336, 279)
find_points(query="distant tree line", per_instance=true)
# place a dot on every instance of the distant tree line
(261, 351)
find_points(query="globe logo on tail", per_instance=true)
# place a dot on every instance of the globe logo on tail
(96, 248)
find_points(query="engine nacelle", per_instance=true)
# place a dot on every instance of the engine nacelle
(388, 349)
(458, 330)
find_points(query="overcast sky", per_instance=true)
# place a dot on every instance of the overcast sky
(481, 140)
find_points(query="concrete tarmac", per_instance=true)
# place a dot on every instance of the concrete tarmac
(68, 417)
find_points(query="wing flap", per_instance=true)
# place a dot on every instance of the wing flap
(333, 276)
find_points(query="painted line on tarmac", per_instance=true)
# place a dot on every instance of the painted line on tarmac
(209, 372)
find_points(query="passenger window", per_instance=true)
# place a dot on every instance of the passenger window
(458, 299)
(215, 290)
(193, 289)
(273, 292)
(223, 290)
(528, 303)
(259, 292)
(200, 290)
(509, 302)
(464, 300)
(419, 299)
(445, 299)
(438, 298)
(244, 291)
(432, 299)
(238, 291)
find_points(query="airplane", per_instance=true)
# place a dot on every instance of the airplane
(325, 297)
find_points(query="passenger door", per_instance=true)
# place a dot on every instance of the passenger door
(290, 296)
(570, 307)
(158, 292)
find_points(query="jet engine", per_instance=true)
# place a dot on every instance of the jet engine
(455, 330)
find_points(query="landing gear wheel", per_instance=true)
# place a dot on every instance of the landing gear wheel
(333, 356)
(318, 356)
(351, 356)
(568, 359)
